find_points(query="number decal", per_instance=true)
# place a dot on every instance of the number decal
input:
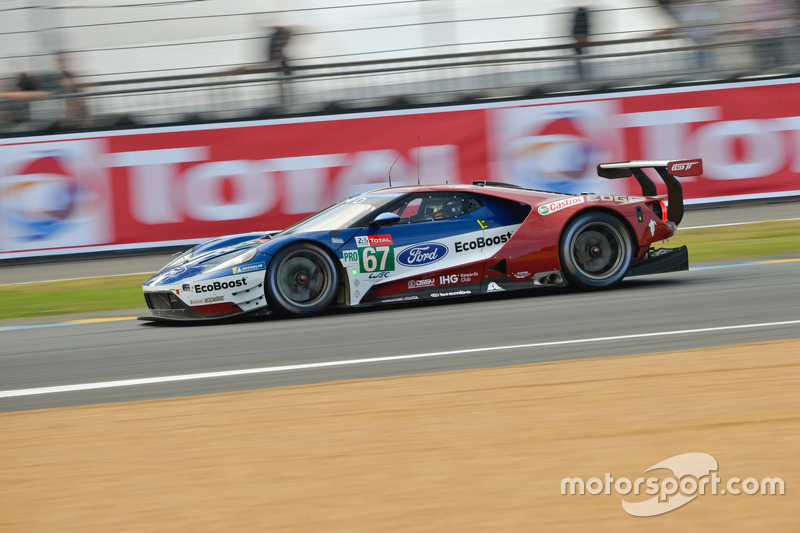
(384, 250)
(376, 258)
(368, 260)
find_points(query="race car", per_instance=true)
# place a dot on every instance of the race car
(412, 243)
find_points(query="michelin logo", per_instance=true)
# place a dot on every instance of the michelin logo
(249, 268)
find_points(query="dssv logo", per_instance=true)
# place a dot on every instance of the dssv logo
(422, 254)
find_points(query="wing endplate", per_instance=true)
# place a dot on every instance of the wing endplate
(668, 170)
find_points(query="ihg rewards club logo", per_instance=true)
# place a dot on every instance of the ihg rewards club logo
(693, 474)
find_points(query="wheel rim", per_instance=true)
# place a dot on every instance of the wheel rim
(598, 251)
(303, 278)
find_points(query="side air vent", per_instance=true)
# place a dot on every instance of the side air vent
(500, 267)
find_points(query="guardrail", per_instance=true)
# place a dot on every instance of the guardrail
(421, 80)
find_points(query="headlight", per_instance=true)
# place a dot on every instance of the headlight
(238, 260)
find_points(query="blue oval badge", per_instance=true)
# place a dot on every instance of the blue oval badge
(422, 254)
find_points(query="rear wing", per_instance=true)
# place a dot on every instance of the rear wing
(668, 170)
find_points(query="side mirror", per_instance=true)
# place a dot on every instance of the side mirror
(386, 219)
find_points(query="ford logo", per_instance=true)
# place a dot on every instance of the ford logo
(422, 254)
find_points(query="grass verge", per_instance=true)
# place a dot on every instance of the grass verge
(735, 242)
(74, 296)
(125, 292)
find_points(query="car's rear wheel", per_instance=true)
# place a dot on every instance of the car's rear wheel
(596, 251)
(302, 280)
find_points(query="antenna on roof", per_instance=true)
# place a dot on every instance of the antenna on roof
(419, 161)
(391, 167)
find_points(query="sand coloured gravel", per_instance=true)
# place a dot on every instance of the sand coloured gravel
(479, 450)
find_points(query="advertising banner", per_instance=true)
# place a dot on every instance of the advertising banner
(179, 185)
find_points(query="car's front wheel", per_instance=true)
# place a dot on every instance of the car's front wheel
(596, 251)
(302, 280)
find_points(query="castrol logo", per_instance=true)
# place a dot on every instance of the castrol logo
(552, 207)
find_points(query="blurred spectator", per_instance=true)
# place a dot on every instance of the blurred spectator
(70, 112)
(25, 88)
(580, 32)
(698, 20)
(26, 82)
(6, 109)
(771, 21)
(276, 48)
(276, 55)
(277, 39)
(74, 110)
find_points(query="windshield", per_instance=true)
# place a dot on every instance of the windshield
(343, 215)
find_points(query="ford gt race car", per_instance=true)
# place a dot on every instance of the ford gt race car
(403, 244)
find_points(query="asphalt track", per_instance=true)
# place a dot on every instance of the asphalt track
(75, 363)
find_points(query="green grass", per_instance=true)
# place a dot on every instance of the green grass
(125, 292)
(736, 242)
(75, 296)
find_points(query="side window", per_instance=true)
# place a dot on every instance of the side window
(410, 209)
(473, 204)
(436, 206)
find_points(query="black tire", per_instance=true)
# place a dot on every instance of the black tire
(302, 280)
(596, 251)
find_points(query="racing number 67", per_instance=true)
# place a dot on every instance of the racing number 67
(377, 258)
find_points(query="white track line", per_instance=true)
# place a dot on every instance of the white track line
(351, 362)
